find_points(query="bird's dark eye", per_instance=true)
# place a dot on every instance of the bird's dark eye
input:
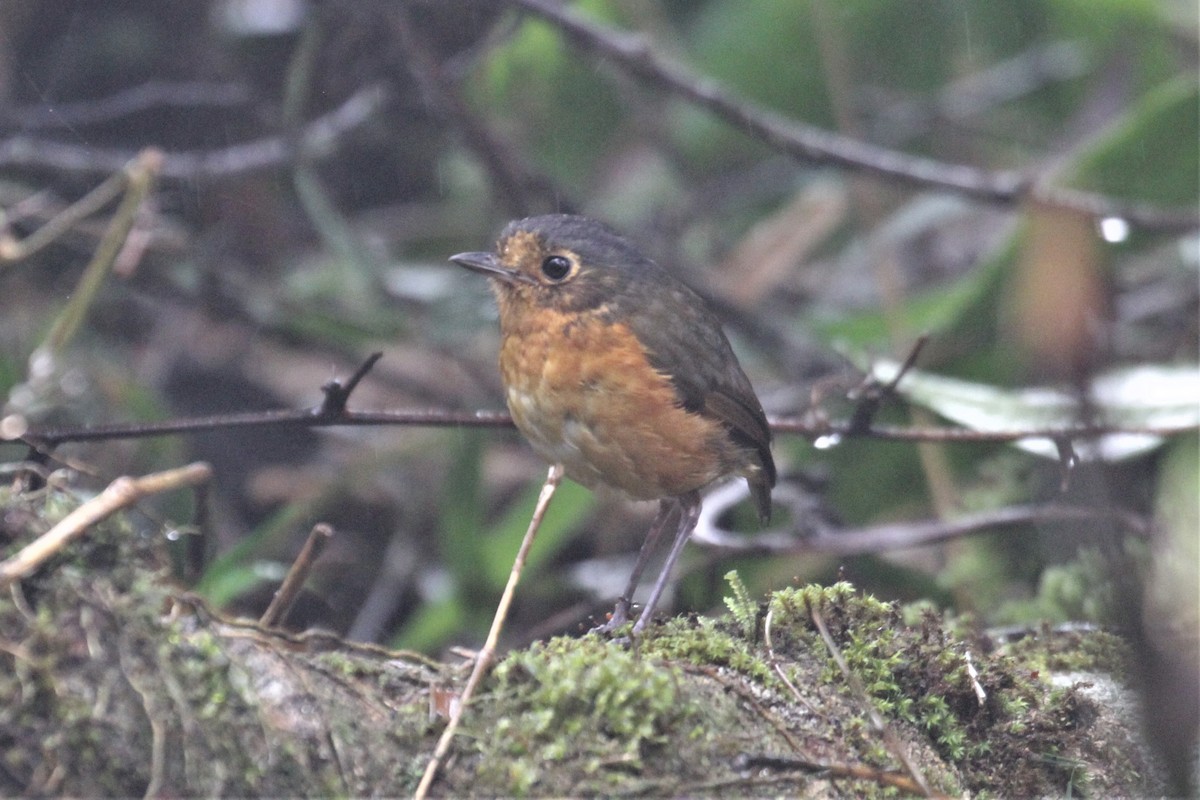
(556, 267)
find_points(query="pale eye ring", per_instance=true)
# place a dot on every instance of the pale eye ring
(556, 268)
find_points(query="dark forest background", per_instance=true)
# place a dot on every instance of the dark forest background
(1034, 216)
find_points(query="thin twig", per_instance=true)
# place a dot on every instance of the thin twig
(483, 659)
(640, 56)
(293, 582)
(881, 728)
(337, 394)
(859, 772)
(144, 97)
(140, 175)
(744, 691)
(894, 121)
(925, 433)
(773, 660)
(284, 418)
(890, 536)
(12, 249)
(870, 396)
(120, 494)
(333, 411)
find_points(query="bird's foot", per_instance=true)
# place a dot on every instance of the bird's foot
(618, 619)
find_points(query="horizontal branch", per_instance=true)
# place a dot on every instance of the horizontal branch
(143, 98)
(638, 54)
(333, 411)
(888, 536)
(285, 418)
(441, 418)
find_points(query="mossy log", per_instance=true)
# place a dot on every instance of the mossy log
(117, 682)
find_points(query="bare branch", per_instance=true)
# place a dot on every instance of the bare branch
(890, 536)
(442, 418)
(333, 411)
(637, 54)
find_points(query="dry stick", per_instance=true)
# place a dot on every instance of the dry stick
(13, 249)
(483, 659)
(860, 691)
(140, 174)
(289, 590)
(120, 494)
(859, 772)
(773, 660)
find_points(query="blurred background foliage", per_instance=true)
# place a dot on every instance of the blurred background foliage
(252, 286)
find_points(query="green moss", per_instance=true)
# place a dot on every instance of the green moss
(743, 608)
(705, 642)
(1080, 650)
(913, 667)
(583, 700)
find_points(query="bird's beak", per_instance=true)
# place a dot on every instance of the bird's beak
(488, 264)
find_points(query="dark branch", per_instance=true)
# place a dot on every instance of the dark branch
(440, 418)
(871, 395)
(337, 394)
(637, 54)
(283, 418)
(332, 411)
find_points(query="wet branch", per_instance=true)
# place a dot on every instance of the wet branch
(334, 411)
(639, 55)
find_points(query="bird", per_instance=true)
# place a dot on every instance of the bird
(617, 371)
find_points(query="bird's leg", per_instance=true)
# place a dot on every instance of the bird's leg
(620, 614)
(689, 513)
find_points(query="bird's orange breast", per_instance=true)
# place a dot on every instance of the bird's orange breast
(581, 389)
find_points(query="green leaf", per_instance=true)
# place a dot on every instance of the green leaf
(461, 528)
(1151, 152)
(966, 301)
(233, 572)
(572, 504)
(433, 623)
(1143, 396)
